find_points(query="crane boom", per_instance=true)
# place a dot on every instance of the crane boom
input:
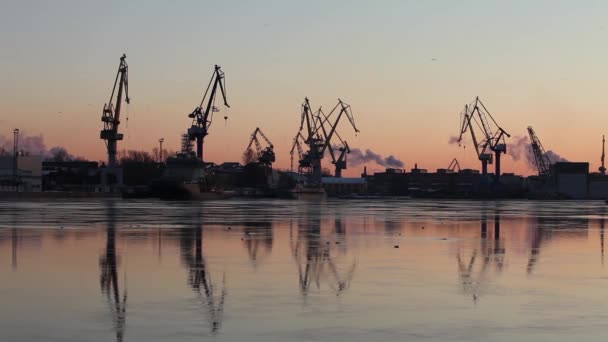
(111, 112)
(542, 161)
(454, 165)
(266, 155)
(203, 117)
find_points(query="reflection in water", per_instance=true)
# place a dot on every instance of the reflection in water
(537, 238)
(108, 278)
(199, 278)
(313, 256)
(395, 281)
(603, 214)
(550, 227)
(339, 226)
(492, 253)
(14, 241)
(258, 239)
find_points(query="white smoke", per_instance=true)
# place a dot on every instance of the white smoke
(33, 145)
(520, 148)
(358, 157)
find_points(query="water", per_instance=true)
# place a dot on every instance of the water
(302, 271)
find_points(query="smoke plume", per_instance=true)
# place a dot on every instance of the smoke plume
(34, 145)
(520, 148)
(358, 157)
(453, 140)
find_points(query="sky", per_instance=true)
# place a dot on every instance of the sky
(406, 68)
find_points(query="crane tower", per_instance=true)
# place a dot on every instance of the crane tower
(111, 112)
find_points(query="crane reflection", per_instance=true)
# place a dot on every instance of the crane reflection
(108, 278)
(199, 277)
(313, 256)
(491, 252)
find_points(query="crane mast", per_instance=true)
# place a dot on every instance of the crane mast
(493, 136)
(111, 113)
(542, 161)
(202, 116)
(602, 169)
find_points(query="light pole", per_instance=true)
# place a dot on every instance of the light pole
(160, 152)
(15, 157)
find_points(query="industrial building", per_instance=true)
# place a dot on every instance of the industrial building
(25, 175)
(70, 176)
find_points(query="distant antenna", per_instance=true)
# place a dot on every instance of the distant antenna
(602, 168)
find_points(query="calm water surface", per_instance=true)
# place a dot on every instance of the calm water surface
(303, 271)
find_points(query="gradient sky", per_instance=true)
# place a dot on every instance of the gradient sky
(538, 63)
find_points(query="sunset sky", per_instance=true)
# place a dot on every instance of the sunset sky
(406, 67)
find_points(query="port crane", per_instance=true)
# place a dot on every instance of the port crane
(265, 156)
(454, 165)
(310, 162)
(341, 149)
(317, 131)
(541, 159)
(492, 139)
(298, 141)
(111, 111)
(202, 116)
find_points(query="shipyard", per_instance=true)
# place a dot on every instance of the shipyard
(318, 156)
(303, 171)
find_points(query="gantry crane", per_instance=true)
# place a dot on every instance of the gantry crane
(454, 165)
(111, 112)
(493, 136)
(541, 159)
(328, 134)
(265, 156)
(202, 117)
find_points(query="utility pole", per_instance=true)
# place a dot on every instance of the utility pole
(160, 152)
(15, 157)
